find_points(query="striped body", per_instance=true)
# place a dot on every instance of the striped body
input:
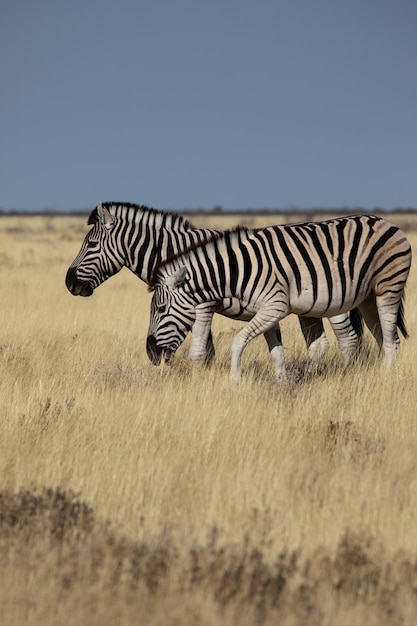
(139, 238)
(321, 269)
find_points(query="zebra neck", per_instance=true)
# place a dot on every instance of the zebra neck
(155, 243)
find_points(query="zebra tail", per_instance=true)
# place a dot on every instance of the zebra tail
(356, 320)
(401, 319)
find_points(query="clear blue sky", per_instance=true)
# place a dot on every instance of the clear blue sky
(182, 104)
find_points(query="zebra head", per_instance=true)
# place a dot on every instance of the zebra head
(172, 317)
(99, 256)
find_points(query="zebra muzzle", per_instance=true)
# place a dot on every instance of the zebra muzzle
(168, 355)
(76, 286)
(154, 353)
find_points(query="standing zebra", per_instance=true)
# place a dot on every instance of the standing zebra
(140, 238)
(316, 269)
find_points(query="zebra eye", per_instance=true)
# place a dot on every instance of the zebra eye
(162, 308)
(93, 244)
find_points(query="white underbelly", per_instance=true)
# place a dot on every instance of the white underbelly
(321, 304)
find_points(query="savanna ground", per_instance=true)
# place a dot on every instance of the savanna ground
(131, 494)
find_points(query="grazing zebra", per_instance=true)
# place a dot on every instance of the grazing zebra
(316, 269)
(140, 238)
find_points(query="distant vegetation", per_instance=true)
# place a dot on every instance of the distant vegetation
(219, 211)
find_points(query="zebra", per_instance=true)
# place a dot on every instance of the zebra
(140, 238)
(315, 269)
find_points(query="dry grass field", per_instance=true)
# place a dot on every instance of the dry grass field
(131, 494)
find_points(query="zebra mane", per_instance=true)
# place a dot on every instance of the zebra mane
(128, 209)
(179, 256)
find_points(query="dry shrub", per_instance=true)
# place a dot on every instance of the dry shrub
(86, 561)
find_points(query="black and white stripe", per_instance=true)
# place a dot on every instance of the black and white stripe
(321, 269)
(140, 238)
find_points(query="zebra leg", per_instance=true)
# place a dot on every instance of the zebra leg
(210, 350)
(314, 336)
(202, 348)
(273, 339)
(346, 334)
(265, 321)
(347, 338)
(370, 314)
(388, 315)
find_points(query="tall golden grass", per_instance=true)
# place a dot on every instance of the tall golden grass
(133, 494)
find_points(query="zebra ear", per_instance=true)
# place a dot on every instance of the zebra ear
(178, 277)
(105, 217)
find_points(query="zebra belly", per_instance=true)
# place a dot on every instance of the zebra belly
(236, 309)
(321, 304)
